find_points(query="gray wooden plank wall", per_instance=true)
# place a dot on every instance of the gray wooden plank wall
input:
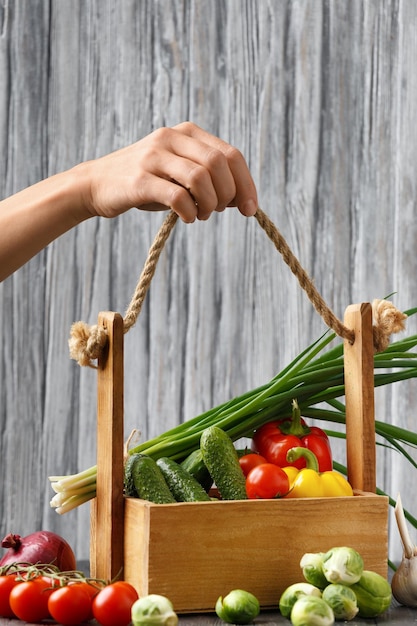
(320, 96)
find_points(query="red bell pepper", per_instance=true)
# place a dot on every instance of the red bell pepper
(274, 439)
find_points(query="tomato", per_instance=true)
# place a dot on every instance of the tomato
(71, 604)
(112, 605)
(267, 481)
(249, 461)
(92, 590)
(29, 599)
(7, 582)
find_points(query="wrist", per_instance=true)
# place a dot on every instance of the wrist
(79, 180)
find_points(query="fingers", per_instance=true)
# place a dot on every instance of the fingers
(245, 195)
(197, 168)
(171, 195)
(183, 168)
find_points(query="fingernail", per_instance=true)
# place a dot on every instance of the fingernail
(249, 207)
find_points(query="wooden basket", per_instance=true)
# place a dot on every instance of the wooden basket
(194, 552)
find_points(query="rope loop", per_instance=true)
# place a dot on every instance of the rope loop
(86, 342)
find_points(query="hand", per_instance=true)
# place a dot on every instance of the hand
(183, 168)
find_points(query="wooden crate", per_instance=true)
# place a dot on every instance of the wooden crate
(195, 552)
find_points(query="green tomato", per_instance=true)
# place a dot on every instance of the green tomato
(238, 607)
(342, 600)
(373, 594)
(311, 611)
(293, 593)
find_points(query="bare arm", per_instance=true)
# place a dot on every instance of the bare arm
(182, 168)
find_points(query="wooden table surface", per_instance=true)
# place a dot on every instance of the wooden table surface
(395, 616)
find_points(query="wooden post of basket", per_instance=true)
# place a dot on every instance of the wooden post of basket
(359, 395)
(107, 510)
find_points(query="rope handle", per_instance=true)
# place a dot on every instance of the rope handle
(86, 342)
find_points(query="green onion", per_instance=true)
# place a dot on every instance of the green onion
(315, 377)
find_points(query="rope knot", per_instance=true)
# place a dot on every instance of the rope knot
(387, 320)
(86, 343)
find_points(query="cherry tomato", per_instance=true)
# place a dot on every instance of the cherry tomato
(29, 599)
(92, 590)
(249, 461)
(7, 582)
(71, 604)
(267, 481)
(112, 605)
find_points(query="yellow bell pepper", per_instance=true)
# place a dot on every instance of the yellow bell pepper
(309, 483)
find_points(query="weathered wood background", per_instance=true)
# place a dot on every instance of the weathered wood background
(320, 96)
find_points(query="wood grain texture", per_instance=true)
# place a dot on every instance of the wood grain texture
(107, 510)
(320, 97)
(360, 398)
(207, 541)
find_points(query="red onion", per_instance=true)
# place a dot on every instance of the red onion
(41, 547)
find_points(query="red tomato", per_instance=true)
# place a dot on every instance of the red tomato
(70, 604)
(29, 599)
(249, 461)
(267, 481)
(7, 582)
(113, 604)
(92, 590)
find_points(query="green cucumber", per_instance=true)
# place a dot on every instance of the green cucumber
(182, 485)
(222, 461)
(195, 466)
(143, 479)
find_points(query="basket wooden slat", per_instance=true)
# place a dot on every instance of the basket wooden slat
(359, 396)
(107, 509)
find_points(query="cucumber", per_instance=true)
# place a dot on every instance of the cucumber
(221, 459)
(182, 485)
(195, 465)
(143, 479)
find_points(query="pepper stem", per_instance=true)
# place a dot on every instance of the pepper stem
(294, 426)
(299, 452)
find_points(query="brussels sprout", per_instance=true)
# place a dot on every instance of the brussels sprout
(312, 565)
(153, 610)
(311, 611)
(293, 593)
(342, 600)
(238, 607)
(373, 594)
(342, 565)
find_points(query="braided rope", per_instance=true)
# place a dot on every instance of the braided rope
(86, 342)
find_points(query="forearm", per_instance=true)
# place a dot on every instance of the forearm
(183, 168)
(32, 218)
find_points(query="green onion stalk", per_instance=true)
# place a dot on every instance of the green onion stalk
(315, 378)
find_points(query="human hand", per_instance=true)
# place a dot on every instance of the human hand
(183, 168)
